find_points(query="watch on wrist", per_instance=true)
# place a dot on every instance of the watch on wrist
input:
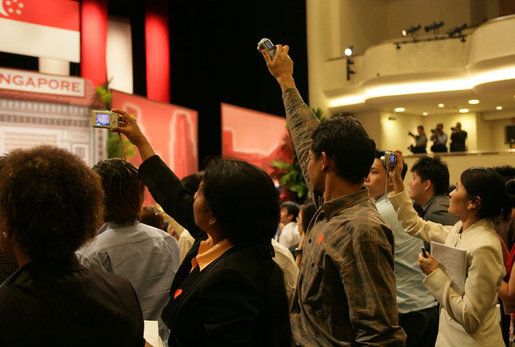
(298, 251)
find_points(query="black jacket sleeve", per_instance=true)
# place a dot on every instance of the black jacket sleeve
(168, 191)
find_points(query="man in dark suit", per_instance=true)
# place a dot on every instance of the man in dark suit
(428, 188)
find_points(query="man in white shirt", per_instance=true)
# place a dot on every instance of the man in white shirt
(288, 235)
(148, 257)
(418, 311)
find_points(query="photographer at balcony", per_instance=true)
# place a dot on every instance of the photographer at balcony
(439, 139)
(458, 138)
(479, 198)
(420, 141)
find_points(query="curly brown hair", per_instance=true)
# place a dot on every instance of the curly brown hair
(52, 202)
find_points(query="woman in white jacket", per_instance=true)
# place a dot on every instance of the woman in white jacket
(479, 198)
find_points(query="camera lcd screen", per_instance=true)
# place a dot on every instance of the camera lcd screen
(392, 158)
(102, 119)
(269, 44)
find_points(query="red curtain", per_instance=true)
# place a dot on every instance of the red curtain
(93, 19)
(157, 47)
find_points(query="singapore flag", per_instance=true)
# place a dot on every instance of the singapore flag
(41, 28)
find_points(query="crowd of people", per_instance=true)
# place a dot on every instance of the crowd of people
(345, 268)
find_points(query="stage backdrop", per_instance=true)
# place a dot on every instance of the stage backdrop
(171, 129)
(254, 136)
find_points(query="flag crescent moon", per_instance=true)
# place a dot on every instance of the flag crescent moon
(2, 10)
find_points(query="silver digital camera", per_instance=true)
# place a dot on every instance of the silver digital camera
(389, 159)
(268, 46)
(104, 119)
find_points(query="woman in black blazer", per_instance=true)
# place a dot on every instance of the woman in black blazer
(228, 291)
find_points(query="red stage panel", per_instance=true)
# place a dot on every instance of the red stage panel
(253, 136)
(171, 129)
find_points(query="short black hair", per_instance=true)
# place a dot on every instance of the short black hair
(378, 154)
(292, 207)
(345, 141)
(239, 193)
(123, 190)
(192, 182)
(435, 170)
(421, 127)
(52, 202)
(488, 185)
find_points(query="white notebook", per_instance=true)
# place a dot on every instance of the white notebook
(453, 261)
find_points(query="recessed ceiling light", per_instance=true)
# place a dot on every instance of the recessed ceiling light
(425, 113)
(441, 105)
(400, 109)
(474, 101)
(464, 110)
(498, 108)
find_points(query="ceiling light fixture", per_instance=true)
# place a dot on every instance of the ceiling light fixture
(400, 109)
(425, 114)
(411, 30)
(349, 51)
(473, 101)
(464, 110)
(498, 108)
(441, 105)
(435, 26)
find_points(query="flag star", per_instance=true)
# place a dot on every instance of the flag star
(7, 3)
(15, 0)
(18, 12)
(10, 10)
(20, 5)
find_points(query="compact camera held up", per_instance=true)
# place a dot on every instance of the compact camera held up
(104, 119)
(267, 45)
(389, 159)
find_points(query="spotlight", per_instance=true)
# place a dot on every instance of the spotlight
(473, 101)
(349, 51)
(349, 69)
(457, 31)
(433, 26)
(410, 31)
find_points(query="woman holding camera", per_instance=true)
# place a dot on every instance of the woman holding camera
(479, 198)
(228, 291)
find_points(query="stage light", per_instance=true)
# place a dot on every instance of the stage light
(464, 110)
(457, 31)
(433, 26)
(349, 51)
(498, 108)
(400, 109)
(349, 69)
(474, 101)
(410, 31)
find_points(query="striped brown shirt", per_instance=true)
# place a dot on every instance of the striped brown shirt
(346, 288)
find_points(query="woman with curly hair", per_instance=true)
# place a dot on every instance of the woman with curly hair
(51, 203)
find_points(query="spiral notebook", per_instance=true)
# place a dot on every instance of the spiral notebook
(453, 261)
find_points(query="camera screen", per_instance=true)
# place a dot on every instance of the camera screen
(102, 119)
(392, 158)
(269, 44)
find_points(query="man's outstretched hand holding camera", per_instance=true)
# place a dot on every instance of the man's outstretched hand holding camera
(281, 67)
